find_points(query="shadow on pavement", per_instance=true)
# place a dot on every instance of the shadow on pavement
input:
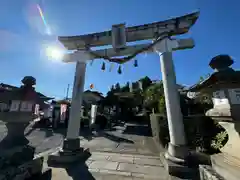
(80, 171)
(117, 138)
(29, 131)
(87, 133)
(49, 131)
(77, 170)
(140, 130)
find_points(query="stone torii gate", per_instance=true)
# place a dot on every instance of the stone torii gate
(163, 44)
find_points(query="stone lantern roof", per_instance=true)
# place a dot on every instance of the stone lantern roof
(223, 74)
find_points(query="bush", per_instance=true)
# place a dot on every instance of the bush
(161, 105)
(202, 134)
(219, 140)
(102, 121)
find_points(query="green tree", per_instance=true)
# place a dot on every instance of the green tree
(125, 88)
(202, 98)
(112, 88)
(203, 78)
(152, 96)
(117, 87)
(161, 105)
(146, 82)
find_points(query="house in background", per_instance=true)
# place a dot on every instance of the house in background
(92, 97)
(61, 108)
(43, 103)
(89, 98)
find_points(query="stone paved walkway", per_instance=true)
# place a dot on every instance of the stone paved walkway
(121, 140)
(106, 166)
(126, 152)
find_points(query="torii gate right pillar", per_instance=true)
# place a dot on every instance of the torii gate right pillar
(177, 148)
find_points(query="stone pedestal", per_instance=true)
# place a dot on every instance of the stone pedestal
(70, 152)
(19, 163)
(224, 86)
(15, 136)
(227, 163)
(233, 144)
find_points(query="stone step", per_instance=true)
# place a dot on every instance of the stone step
(227, 166)
(90, 174)
(97, 176)
(113, 174)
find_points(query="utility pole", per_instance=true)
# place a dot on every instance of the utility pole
(67, 91)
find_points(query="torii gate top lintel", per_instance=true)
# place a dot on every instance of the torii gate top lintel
(177, 26)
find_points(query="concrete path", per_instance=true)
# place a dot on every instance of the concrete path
(107, 166)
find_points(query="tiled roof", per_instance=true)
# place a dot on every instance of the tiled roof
(10, 87)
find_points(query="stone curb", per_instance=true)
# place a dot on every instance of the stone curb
(109, 153)
(124, 173)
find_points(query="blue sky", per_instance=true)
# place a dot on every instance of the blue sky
(23, 39)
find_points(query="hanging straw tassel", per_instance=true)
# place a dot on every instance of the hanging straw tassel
(103, 66)
(135, 63)
(119, 70)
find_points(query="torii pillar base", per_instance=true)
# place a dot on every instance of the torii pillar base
(185, 171)
(180, 167)
(70, 152)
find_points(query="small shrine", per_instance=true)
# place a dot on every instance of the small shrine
(224, 87)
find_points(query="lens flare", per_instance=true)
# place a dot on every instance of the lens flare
(48, 30)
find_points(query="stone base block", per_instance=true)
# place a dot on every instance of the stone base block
(207, 173)
(46, 174)
(16, 156)
(23, 171)
(64, 156)
(226, 166)
(71, 144)
(178, 169)
(178, 154)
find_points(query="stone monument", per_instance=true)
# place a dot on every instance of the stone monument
(19, 108)
(224, 86)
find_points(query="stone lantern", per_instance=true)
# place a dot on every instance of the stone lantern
(224, 86)
(18, 108)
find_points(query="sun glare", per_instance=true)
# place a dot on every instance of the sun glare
(54, 53)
